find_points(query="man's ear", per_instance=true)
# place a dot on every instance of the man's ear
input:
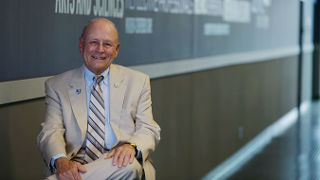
(117, 49)
(118, 46)
(81, 45)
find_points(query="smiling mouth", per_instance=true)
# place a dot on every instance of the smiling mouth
(100, 58)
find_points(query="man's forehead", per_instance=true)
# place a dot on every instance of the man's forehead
(97, 28)
(100, 26)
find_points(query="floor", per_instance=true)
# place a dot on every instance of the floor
(294, 155)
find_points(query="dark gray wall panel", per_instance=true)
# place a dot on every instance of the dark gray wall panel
(223, 101)
(19, 127)
(172, 107)
(5, 149)
(38, 42)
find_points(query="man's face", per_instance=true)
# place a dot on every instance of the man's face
(99, 46)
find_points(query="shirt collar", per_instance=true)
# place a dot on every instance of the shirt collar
(88, 75)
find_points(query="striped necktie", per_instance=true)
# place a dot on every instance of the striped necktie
(96, 123)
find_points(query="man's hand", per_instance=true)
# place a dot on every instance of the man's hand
(68, 170)
(122, 155)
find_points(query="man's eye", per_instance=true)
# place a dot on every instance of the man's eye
(93, 43)
(107, 44)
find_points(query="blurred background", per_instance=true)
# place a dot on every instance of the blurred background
(230, 80)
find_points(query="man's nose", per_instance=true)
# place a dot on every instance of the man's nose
(100, 47)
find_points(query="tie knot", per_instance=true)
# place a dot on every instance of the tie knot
(99, 78)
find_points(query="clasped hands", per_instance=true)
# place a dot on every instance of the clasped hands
(69, 170)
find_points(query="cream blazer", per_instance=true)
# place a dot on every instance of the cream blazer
(65, 124)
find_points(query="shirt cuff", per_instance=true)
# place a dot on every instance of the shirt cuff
(53, 159)
(139, 155)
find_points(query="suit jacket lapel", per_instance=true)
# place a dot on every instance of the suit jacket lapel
(77, 95)
(117, 90)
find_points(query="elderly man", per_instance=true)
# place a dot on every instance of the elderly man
(99, 122)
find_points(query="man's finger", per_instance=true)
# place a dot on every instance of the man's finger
(126, 160)
(66, 175)
(81, 168)
(121, 159)
(116, 157)
(131, 158)
(111, 153)
(76, 174)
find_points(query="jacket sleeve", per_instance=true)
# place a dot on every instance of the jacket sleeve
(51, 140)
(147, 134)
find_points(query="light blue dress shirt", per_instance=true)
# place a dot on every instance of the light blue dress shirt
(110, 138)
